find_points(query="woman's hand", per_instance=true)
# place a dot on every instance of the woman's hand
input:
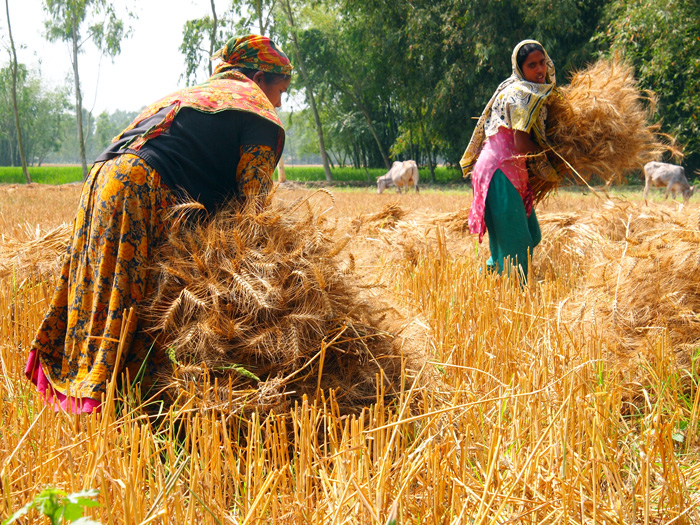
(524, 144)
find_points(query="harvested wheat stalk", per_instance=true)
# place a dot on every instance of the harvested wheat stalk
(647, 282)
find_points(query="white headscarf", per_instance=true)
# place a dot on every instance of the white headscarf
(516, 104)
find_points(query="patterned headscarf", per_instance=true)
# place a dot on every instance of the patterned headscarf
(253, 52)
(526, 100)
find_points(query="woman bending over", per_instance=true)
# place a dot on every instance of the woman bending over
(215, 143)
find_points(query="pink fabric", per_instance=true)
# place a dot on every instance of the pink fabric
(51, 396)
(498, 152)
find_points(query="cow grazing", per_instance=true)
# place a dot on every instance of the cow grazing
(661, 174)
(402, 175)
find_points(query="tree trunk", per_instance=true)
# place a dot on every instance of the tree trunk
(376, 138)
(15, 108)
(212, 35)
(309, 93)
(355, 155)
(366, 114)
(263, 21)
(281, 175)
(428, 153)
(78, 100)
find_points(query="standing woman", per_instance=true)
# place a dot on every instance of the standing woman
(215, 143)
(511, 127)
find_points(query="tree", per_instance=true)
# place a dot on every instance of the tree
(346, 59)
(15, 109)
(42, 111)
(67, 23)
(407, 78)
(201, 38)
(306, 81)
(661, 38)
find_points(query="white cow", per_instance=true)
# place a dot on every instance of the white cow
(402, 175)
(661, 174)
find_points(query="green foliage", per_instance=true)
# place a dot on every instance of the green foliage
(68, 17)
(108, 126)
(408, 77)
(203, 36)
(349, 65)
(301, 141)
(315, 173)
(48, 123)
(197, 34)
(662, 40)
(67, 23)
(41, 113)
(60, 507)
(392, 80)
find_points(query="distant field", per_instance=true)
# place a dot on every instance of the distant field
(66, 174)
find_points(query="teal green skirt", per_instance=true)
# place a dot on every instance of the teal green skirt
(512, 234)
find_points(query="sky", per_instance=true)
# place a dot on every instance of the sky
(148, 67)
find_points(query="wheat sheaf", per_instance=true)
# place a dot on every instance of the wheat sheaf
(258, 309)
(602, 124)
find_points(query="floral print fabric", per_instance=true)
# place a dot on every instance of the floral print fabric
(253, 52)
(254, 172)
(223, 91)
(121, 219)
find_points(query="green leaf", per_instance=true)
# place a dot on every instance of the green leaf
(72, 511)
(60, 507)
(47, 501)
(56, 516)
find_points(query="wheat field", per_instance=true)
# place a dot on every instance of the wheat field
(574, 399)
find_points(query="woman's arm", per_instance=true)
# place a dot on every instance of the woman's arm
(524, 143)
(258, 159)
(254, 171)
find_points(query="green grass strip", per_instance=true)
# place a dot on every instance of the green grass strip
(42, 174)
(68, 174)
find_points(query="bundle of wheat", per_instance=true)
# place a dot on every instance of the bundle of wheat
(599, 124)
(262, 303)
(648, 284)
(40, 254)
(387, 217)
(457, 222)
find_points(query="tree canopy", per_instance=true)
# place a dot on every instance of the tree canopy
(392, 79)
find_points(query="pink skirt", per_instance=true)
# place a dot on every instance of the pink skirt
(53, 397)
